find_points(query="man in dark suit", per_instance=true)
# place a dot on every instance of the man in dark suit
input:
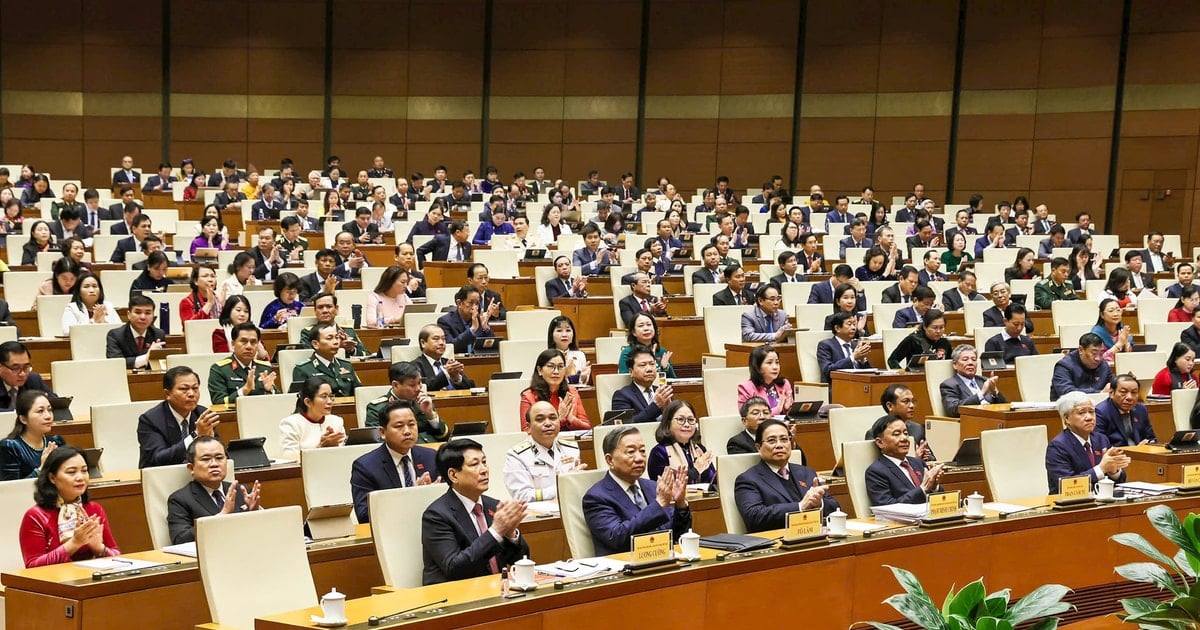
(1012, 341)
(736, 293)
(901, 292)
(165, 431)
(68, 224)
(465, 534)
(922, 301)
(141, 229)
(1121, 418)
(962, 225)
(397, 463)
(1184, 273)
(966, 387)
(16, 372)
(1153, 256)
(561, 285)
(467, 322)
(207, 494)
(230, 197)
(641, 395)
(1080, 449)
(478, 277)
(711, 273)
(228, 173)
(1041, 220)
(126, 174)
(774, 487)
(1084, 231)
(323, 280)
(361, 228)
(857, 239)
(134, 341)
(931, 272)
(753, 411)
(640, 300)
(453, 247)
(161, 181)
(789, 266)
(896, 477)
(954, 299)
(845, 350)
(767, 321)
(268, 206)
(1022, 228)
(900, 404)
(822, 292)
(623, 504)
(924, 236)
(437, 372)
(1139, 280)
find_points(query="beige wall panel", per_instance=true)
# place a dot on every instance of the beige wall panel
(668, 131)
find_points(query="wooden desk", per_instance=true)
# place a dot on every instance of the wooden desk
(684, 337)
(859, 389)
(738, 355)
(593, 316)
(976, 418)
(1154, 463)
(440, 273)
(514, 292)
(847, 577)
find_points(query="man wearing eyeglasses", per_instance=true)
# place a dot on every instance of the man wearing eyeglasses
(207, 494)
(16, 371)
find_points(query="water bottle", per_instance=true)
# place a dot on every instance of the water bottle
(164, 317)
(380, 320)
(356, 314)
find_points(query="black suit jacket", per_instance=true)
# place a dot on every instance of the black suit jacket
(704, 276)
(724, 297)
(452, 547)
(952, 299)
(56, 229)
(121, 177)
(630, 308)
(375, 470)
(120, 342)
(189, 503)
(888, 484)
(764, 499)
(630, 397)
(741, 443)
(262, 210)
(310, 286)
(556, 289)
(159, 437)
(891, 295)
(124, 246)
(831, 357)
(33, 382)
(438, 382)
(955, 394)
(223, 199)
(439, 248)
(261, 268)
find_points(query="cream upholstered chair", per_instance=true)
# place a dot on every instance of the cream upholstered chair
(414, 322)
(1065, 312)
(973, 314)
(88, 340)
(720, 389)
(363, 395)
(884, 315)
(520, 356)
(531, 324)
(983, 333)
(270, 540)
(504, 403)
(598, 432)
(296, 325)
(703, 293)
(810, 316)
(397, 515)
(715, 432)
(1182, 402)
(324, 472)
(288, 359)
(200, 364)
(1069, 334)
(858, 456)
(1143, 365)
(728, 469)
(606, 386)
(794, 293)
(943, 436)
(114, 429)
(541, 275)
(96, 382)
(158, 482)
(936, 372)
(16, 497)
(259, 416)
(118, 282)
(571, 488)
(21, 287)
(50, 312)
(495, 448)
(608, 349)
(1163, 335)
(197, 335)
(1034, 374)
(1015, 462)
(722, 325)
(891, 339)
(849, 424)
(806, 353)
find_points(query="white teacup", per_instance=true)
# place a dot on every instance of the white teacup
(1104, 488)
(837, 523)
(690, 544)
(974, 504)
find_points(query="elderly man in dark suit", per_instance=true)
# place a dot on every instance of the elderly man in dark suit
(773, 487)
(397, 463)
(167, 430)
(454, 247)
(954, 299)
(623, 504)
(896, 477)
(1080, 449)
(561, 285)
(966, 387)
(467, 322)
(767, 321)
(464, 533)
(207, 494)
(1121, 418)
(437, 372)
(900, 404)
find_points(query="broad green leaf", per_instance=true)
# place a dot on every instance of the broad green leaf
(958, 622)
(996, 604)
(946, 602)
(1135, 605)
(968, 599)
(918, 609)
(1191, 527)
(1163, 613)
(1167, 523)
(908, 581)
(1150, 573)
(876, 625)
(1188, 604)
(1136, 541)
(1184, 563)
(1045, 624)
(986, 623)
(1044, 601)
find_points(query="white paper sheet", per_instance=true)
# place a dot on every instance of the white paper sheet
(1004, 507)
(580, 568)
(116, 564)
(182, 549)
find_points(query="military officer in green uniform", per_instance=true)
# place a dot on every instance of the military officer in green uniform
(1056, 287)
(241, 374)
(339, 373)
(406, 386)
(326, 307)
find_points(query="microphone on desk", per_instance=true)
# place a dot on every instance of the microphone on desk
(375, 621)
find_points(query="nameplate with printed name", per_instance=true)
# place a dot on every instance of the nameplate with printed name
(944, 504)
(803, 524)
(652, 547)
(1079, 487)
(1191, 476)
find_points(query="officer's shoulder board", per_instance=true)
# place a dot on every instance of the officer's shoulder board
(381, 399)
(567, 444)
(224, 362)
(262, 363)
(523, 446)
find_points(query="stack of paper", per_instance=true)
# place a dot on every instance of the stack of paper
(182, 549)
(576, 569)
(905, 513)
(1148, 489)
(1030, 404)
(543, 507)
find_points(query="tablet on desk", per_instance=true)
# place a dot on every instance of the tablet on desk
(61, 407)
(990, 361)
(248, 453)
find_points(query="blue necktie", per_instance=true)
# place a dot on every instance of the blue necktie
(404, 465)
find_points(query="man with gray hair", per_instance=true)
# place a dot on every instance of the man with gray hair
(966, 387)
(1080, 449)
(623, 504)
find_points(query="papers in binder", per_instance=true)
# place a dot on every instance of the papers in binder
(905, 513)
(586, 567)
(116, 564)
(542, 507)
(1148, 489)
(1031, 404)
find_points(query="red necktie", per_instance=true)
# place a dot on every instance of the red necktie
(645, 307)
(1087, 446)
(912, 474)
(482, 525)
(141, 341)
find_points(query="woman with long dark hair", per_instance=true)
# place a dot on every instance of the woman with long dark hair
(766, 381)
(549, 383)
(1178, 372)
(24, 451)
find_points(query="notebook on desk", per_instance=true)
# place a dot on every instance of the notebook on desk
(990, 361)
(91, 457)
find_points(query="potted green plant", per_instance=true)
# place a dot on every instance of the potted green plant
(972, 609)
(1175, 574)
